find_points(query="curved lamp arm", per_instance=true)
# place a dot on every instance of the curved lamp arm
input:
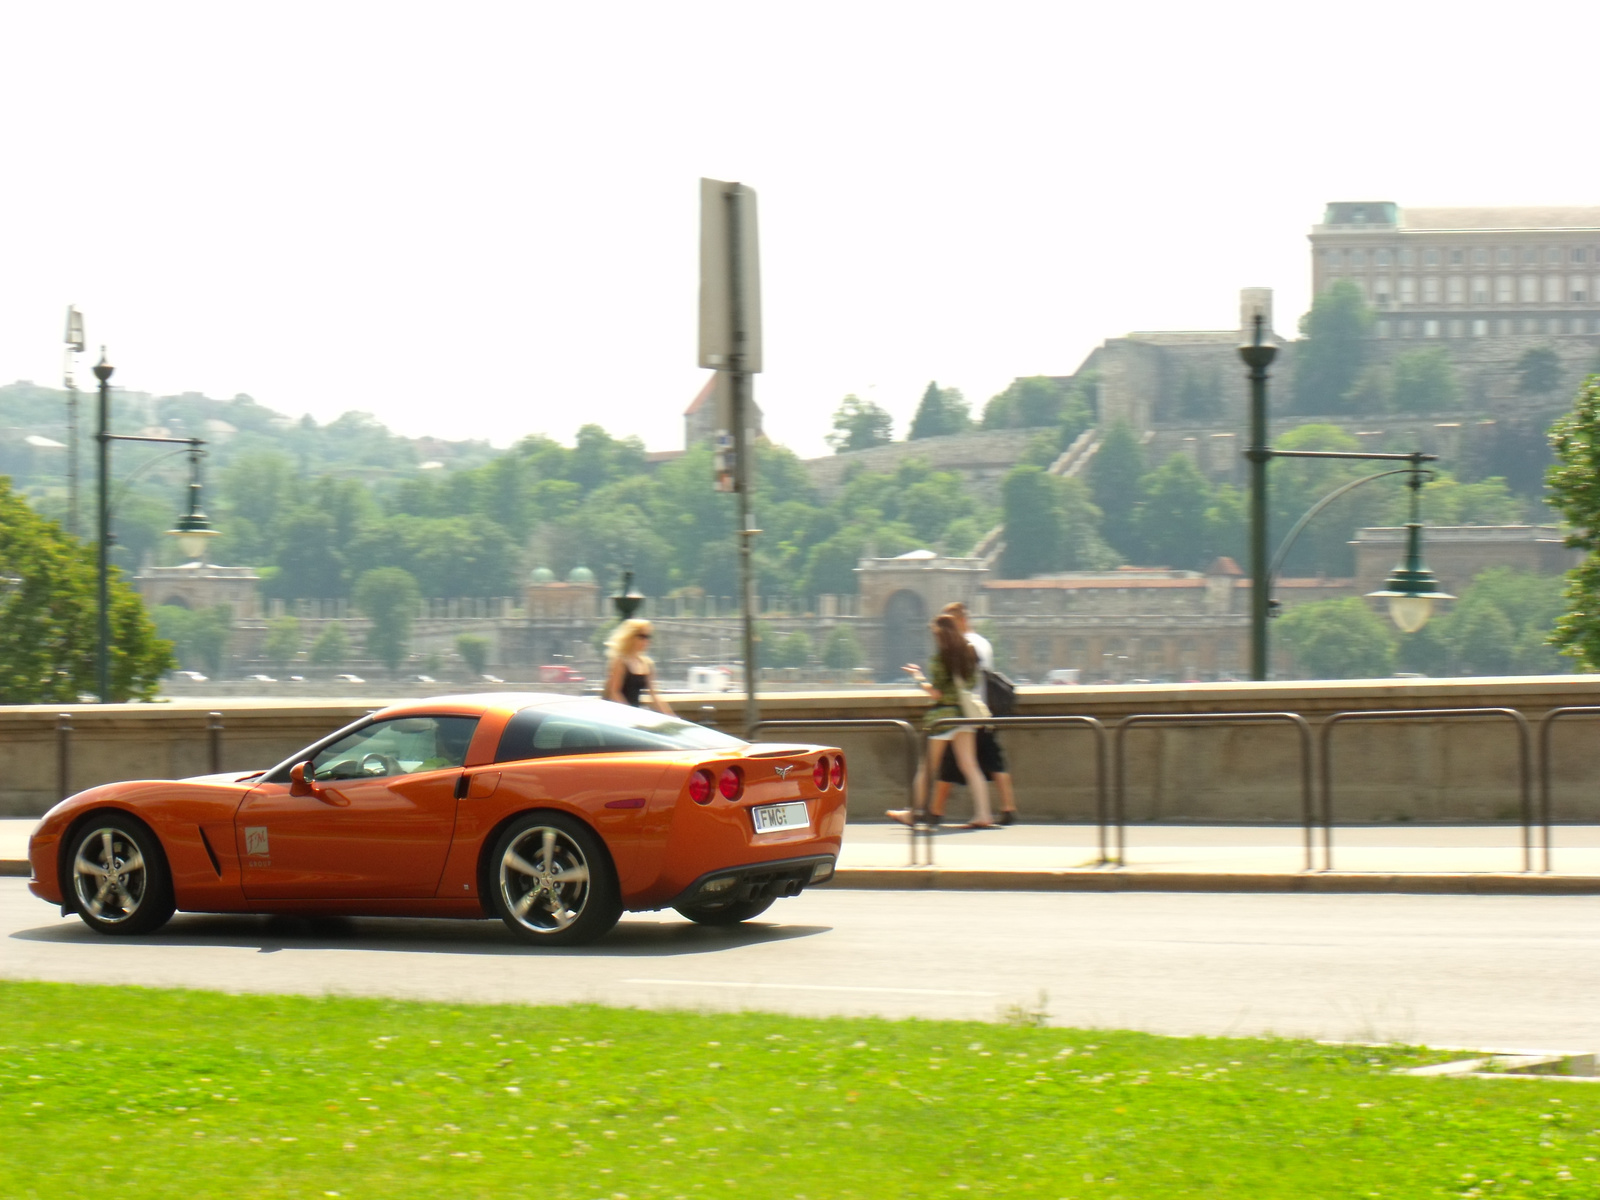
(127, 480)
(1288, 542)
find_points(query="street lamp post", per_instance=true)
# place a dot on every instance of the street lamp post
(1411, 587)
(192, 528)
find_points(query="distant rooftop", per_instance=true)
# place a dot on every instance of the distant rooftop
(1385, 214)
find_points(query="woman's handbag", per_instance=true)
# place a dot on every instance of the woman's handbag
(969, 703)
(1001, 692)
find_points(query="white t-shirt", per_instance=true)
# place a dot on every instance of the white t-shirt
(985, 663)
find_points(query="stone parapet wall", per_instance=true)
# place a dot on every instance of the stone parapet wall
(981, 457)
(1413, 770)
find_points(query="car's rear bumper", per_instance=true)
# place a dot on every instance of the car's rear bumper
(756, 881)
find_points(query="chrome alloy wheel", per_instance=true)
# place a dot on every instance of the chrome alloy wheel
(544, 879)
(109, 876)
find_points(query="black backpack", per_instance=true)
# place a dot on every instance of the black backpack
(1000, 694)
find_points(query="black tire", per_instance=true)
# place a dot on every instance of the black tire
(117, 876)
(731, 913)
(551, 881)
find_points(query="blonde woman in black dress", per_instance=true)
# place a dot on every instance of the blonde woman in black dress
(630, 674)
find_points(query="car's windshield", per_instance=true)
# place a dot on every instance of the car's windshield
(598, 726)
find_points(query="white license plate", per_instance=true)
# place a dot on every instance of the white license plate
(770, 818)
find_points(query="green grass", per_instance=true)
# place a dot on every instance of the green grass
(132, 1092)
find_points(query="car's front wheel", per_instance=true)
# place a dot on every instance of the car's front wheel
(120, 881)
(731, 913)
(553, 882)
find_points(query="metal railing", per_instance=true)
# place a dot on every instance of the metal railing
(1524, 740)
(913, 760)
(1101, 808)
(1545, 722)
(1120, 786)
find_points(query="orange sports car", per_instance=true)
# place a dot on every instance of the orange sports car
(551, 812)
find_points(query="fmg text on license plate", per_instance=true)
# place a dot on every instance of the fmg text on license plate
(770, 818)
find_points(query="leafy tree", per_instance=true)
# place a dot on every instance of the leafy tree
(1575, 488)
(1538, 372)
(332, 646)
(1333, 349)
(1035, 532)
(388, 597)
(1027, 403)
(841, 651)
(1424, 381)
(199, 637)
(48, 618)
(1447, 501)
(282, 642)
(942, 411)
(474, 651)
(311, 561)
(1113, 477)
(1338, 639)
(859, 425)
(1170, 520)
(792, 650)
(1483, 639)
(1298, 483)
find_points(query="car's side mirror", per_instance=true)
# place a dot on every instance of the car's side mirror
(299, 785)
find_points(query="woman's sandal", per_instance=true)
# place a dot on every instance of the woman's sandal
(977, 825)
(908, 816)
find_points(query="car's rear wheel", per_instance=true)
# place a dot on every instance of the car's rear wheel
(553, 882)
(730, 913)
(120, 881)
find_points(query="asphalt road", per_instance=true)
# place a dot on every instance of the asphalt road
(1490, 972)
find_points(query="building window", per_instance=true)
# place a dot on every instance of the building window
(1430, 258)
(1553, 256)
(1552, 289)
(1480, 289)
(1457, 258)
(1480, 328)
(1380, 290)
(1530, 325)
(1408, 289)
(1530, 256)
(1358, 258)
(1408, 256)
(1504, 256)
(1456, 289)
(1505, 326)
(1430, 329)
(1383, 258)
(1579, 325)
(1335, 259)
(1383, 329)
(1530, 289)
(1480, 257)
(1579, 255)
(1430, 289)
(1505, 289)
(1595, 290)
(1577, 289)
(1458, 328)
(1408, 329)
(1553, 325)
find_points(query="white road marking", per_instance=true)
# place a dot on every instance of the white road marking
(812, 987)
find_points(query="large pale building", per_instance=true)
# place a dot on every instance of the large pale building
(1465, 272)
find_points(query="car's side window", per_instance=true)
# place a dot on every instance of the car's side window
(401, 746)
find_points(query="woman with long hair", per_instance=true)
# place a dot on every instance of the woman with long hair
(629, 671)
(952, 671)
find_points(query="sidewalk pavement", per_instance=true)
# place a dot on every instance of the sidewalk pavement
(1483, 859)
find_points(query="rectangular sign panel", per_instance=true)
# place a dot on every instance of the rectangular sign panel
(730, 276)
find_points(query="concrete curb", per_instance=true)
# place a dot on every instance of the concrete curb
(944, 879)
(1101, 880)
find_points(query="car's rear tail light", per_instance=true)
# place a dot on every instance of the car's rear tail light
(819, 774)
(838, 772)
(701, 786)
(731, 783)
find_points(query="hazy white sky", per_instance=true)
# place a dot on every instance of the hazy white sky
(480, 219)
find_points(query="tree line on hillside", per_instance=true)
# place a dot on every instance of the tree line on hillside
(1067, 406)
(1124, 509)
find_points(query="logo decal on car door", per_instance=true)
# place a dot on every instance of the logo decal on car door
(255, 840)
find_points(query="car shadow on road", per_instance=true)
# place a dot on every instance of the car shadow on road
(268, 935)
